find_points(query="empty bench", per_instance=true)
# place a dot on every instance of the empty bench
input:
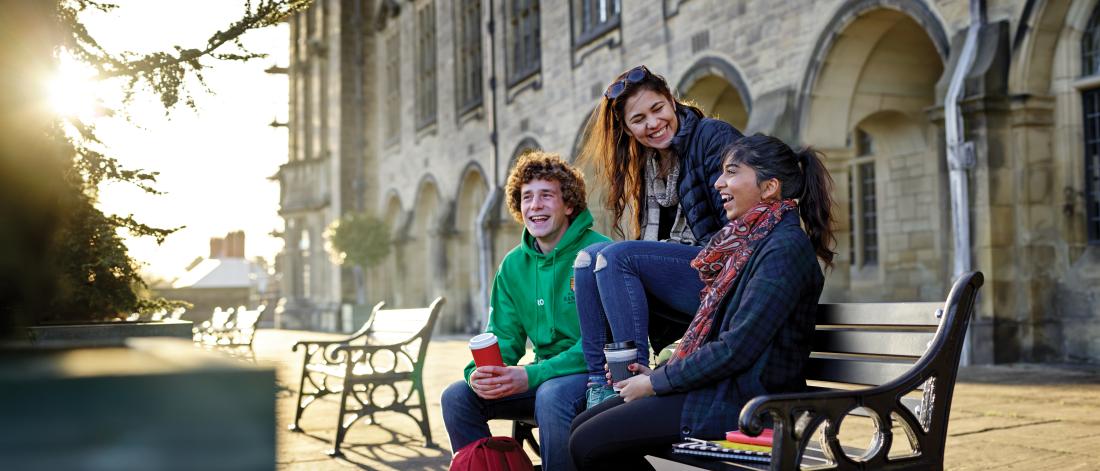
(893, 362)
(383, 360)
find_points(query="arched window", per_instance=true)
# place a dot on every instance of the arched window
(1090, 45)
(863, 203)
(1090, 65)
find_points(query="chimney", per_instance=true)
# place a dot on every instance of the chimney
(217, 247)
(234, 244)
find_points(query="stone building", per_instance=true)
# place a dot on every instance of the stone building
(414, 110)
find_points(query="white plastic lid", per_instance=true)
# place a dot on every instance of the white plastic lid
(483, 340)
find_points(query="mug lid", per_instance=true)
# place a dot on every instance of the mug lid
(624, 345)
(483, 340)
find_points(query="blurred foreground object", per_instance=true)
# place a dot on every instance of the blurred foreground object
(155, 404)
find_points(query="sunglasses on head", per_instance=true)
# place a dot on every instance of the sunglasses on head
(634, 75)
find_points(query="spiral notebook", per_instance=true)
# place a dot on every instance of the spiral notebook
(714, 450)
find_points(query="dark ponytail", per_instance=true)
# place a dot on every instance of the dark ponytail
(802, 175)
(815, 204)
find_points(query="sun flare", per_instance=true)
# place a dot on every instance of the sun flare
(73, 91)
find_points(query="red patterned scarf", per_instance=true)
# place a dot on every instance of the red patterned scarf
(721, 261)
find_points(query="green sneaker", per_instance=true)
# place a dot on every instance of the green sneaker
(597, 394)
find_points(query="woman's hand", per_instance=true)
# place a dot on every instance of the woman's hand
(636, 387)
(637, 368)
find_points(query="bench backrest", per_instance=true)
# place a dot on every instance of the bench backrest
(391, 326)
(246, 323)
(359, 337)
(868, 344)
(220, 318)
(412, 327)
(907, 353)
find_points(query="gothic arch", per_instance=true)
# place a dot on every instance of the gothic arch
(841, 23)
(719, 89)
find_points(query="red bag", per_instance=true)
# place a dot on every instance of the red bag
(492, 454)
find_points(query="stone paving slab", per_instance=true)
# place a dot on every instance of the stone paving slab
(1013, 417)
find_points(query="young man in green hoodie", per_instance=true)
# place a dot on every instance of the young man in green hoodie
(533, 300)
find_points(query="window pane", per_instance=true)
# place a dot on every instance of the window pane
(468, 57)
(864, 144)
(1091, 106)
(1090, 45)
(869, 216)
(594, 14)
(393, 87)
(524, 39)
(425, 65)
(851, 217)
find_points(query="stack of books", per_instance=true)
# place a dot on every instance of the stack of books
(736, 446)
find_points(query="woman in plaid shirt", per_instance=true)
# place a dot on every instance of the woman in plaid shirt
(752, 332)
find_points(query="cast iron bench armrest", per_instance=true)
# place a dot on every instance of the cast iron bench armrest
(364, 354)
(325, 343)
(795, 416)
(321, 352)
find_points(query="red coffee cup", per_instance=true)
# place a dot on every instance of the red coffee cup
(486, 350)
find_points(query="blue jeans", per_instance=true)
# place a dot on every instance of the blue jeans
(616, 282)
(553, 404)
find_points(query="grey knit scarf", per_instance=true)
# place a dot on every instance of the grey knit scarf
(663, 193)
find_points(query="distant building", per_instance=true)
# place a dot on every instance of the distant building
(224, 279)
(412, 110)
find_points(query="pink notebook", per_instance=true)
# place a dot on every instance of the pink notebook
(764, 439)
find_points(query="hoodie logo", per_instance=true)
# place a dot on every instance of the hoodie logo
(540, 302)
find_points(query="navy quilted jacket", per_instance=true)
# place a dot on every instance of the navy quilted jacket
(760, 339)
(700, 142)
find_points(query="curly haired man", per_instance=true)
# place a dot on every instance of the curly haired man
(533, 299)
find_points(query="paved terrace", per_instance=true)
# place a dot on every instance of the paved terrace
(1006, 417)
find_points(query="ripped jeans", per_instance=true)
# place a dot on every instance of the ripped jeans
(616, 285)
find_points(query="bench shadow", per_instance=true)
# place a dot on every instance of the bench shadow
(401, 451)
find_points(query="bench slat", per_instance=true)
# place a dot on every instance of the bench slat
(909, 344)
(855, 371)
(911, 314)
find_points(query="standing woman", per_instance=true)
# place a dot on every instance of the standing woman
(753, 330)
(659, 157)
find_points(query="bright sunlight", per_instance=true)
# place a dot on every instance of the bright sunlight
(74, 91)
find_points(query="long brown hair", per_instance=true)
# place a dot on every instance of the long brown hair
(617, 157)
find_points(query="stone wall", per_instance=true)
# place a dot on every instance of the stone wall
(812, 73)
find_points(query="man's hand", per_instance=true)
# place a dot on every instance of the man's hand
(495, 382)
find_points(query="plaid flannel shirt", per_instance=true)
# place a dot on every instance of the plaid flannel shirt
(761, 337)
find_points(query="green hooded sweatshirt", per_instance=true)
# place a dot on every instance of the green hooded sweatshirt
(533, 299)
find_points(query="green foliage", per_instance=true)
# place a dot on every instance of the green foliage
(82, 270)
(360, 239)
(96, 278)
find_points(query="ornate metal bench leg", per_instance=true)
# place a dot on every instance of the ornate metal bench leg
(341, 430)
(424, 427)
(298, 408)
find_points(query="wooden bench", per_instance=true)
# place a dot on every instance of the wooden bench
(893, 362)
(387, 352)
